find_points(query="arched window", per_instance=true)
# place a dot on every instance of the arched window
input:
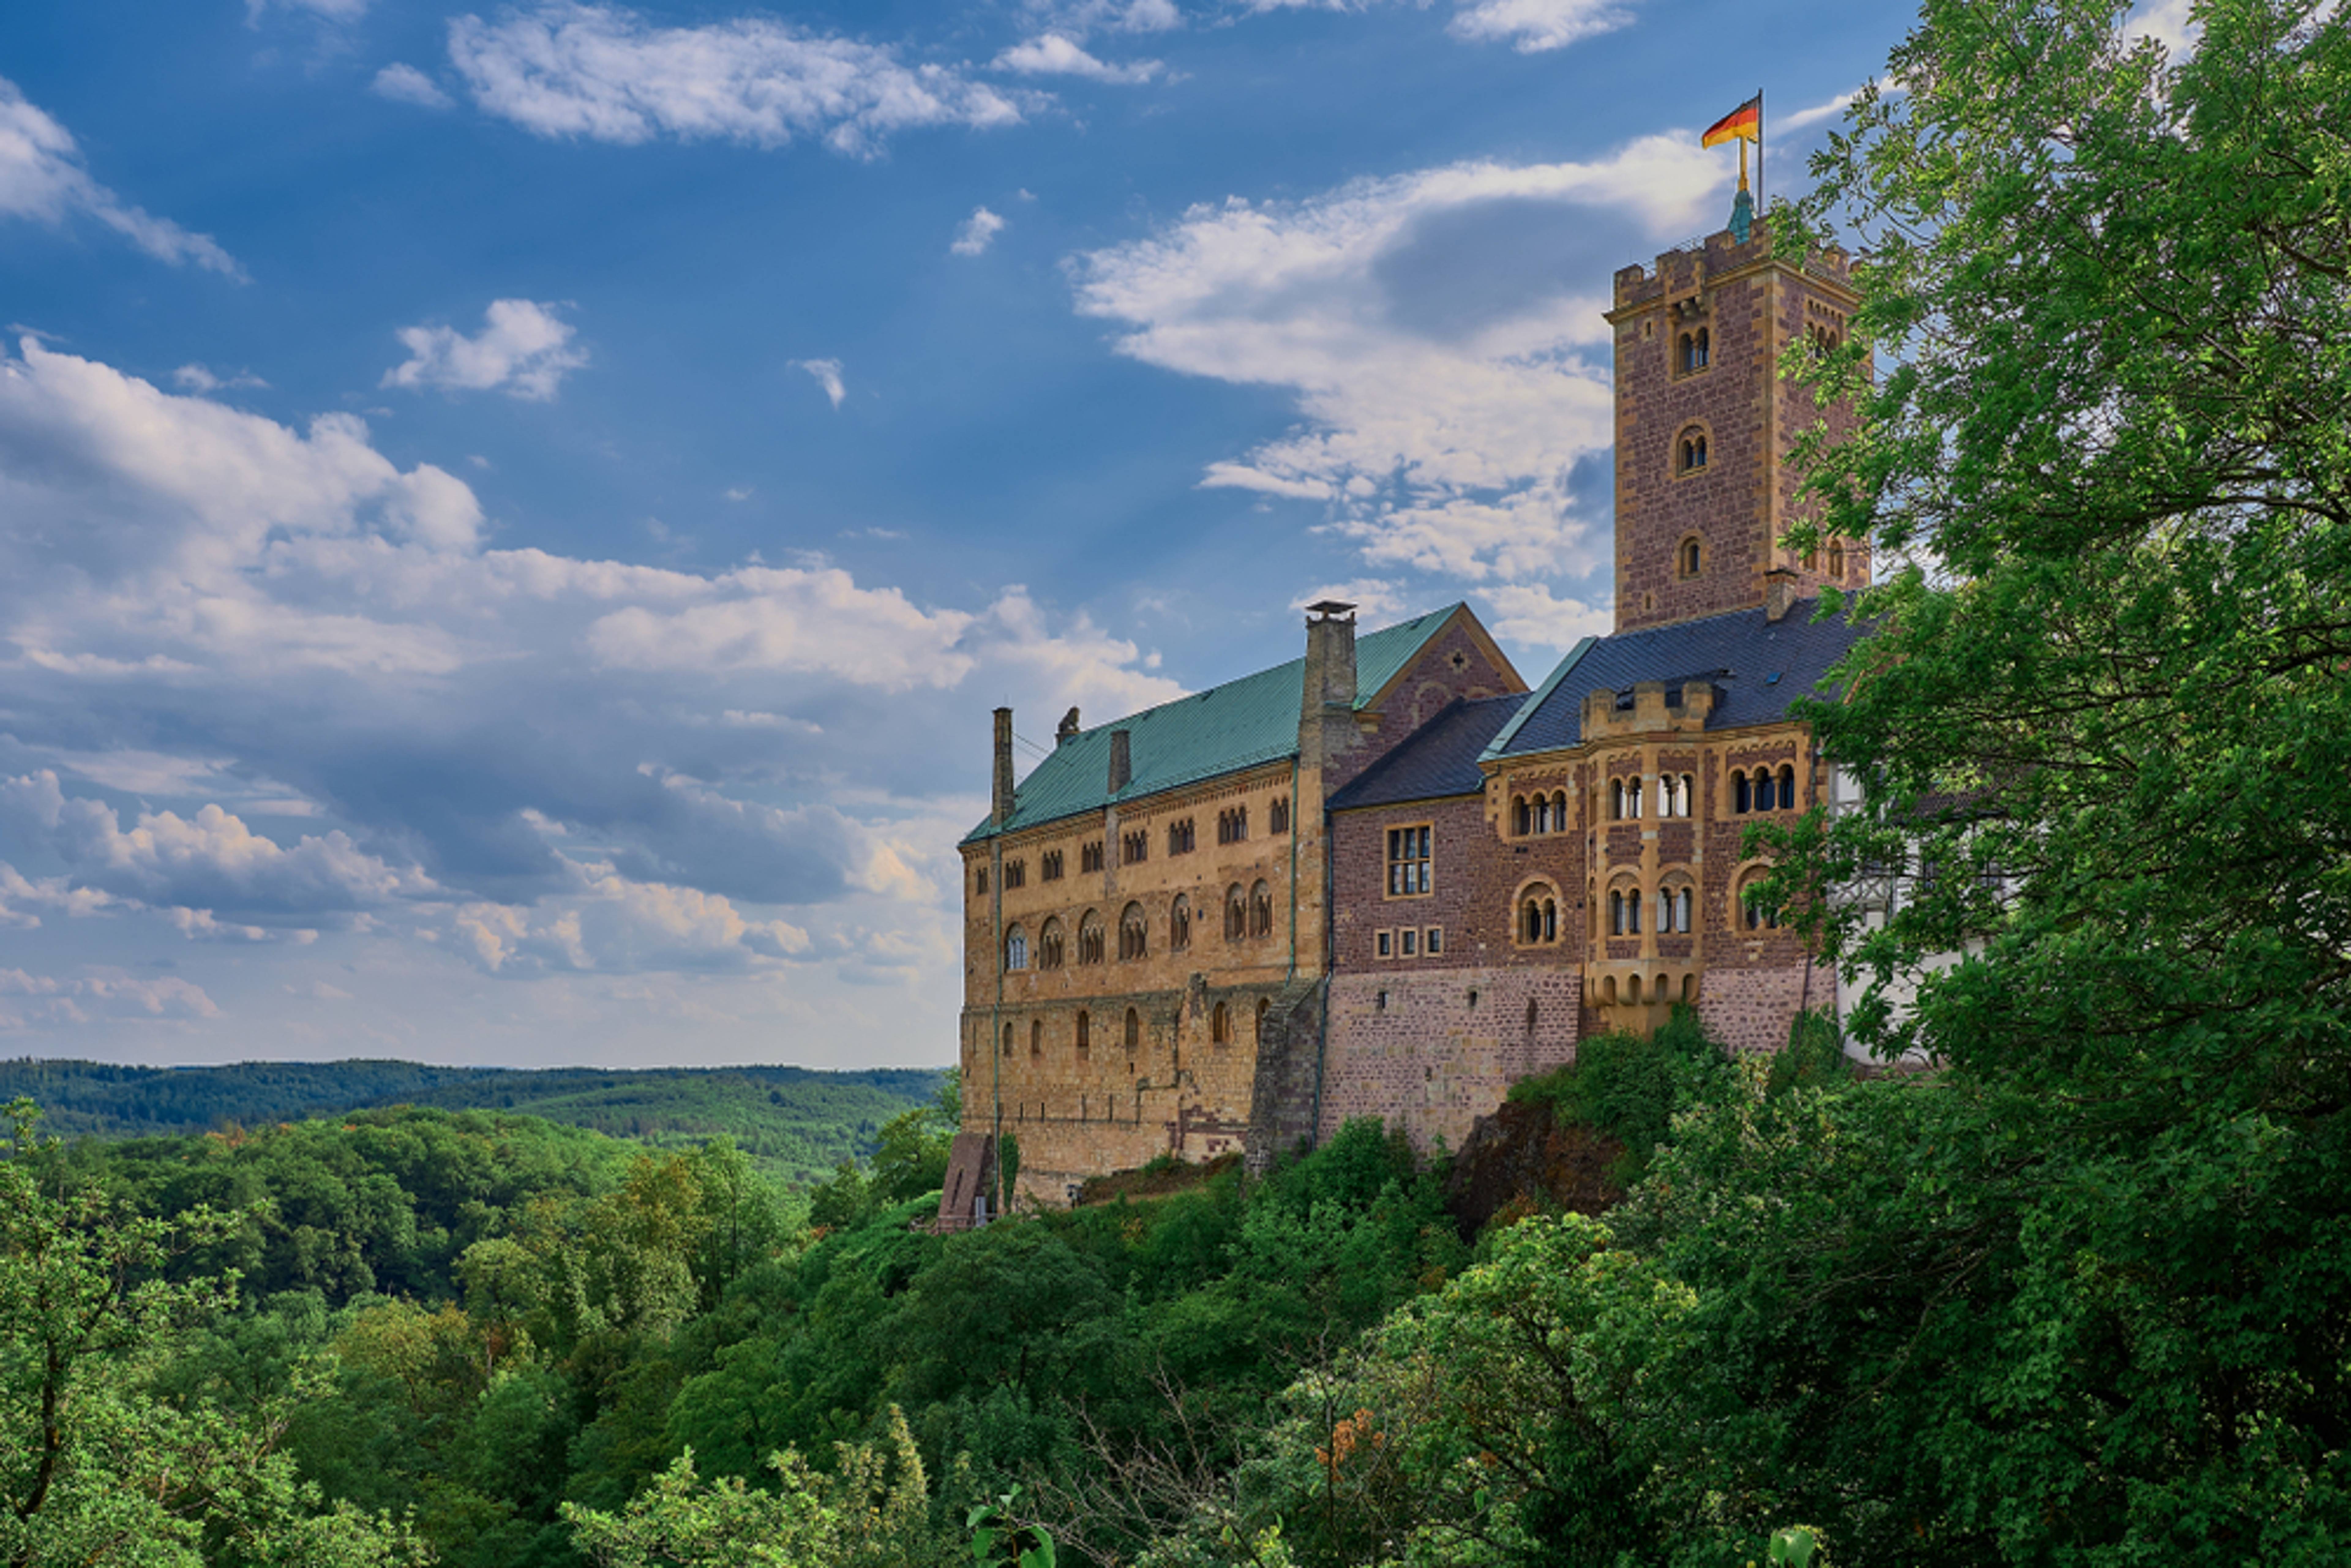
(1036, 1040)
(1179, 924)
(1756, 911)
(1836, 561)
(1544, 823)
(1615, 799)
(1632, 912)
(1691, 557)
(1559, 811)
(1687, 352)
(1015, 949)
(1632, 988)
(1787, 789)
(1765, 792)
(1235, 913)
(1615, 912)
(1051, 949)
(1133, 1031)
(1702, 349)
(1220, 1025)
(1743, 797)
(1692, 454)
(1538, 921)
(1522, 818)
(1085, 1035)
(1133, 932)
(1689, 989)
(1633, 797)
(1260, 911)
(1608, 991)
(1682, 909)
(1090, 938)
(1689, 795)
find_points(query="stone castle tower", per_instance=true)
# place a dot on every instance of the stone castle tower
(1705, 424)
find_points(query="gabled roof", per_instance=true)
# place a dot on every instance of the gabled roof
(1224, 729)
(1759, 665)
(1438, 759)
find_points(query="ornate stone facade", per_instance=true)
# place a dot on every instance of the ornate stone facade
(1306, 896)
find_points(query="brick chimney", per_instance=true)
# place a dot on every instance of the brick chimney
(1780, 587)
(1121, 762)
(1000, 795)
(1326, 703)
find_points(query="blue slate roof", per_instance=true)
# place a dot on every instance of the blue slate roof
(1761, 666)
(1440, 758)
(1240, 724)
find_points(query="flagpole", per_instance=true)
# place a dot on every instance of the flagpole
(1758, 151)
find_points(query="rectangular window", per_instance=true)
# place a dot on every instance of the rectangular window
(1384, 944)
(1407, 861)
(1411, 942)
(1434, 944)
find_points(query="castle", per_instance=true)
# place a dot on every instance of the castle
(1386, 879)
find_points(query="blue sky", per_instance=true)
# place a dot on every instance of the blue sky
(512, 519)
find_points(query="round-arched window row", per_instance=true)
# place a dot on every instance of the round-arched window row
(1538, 813)
(1608, 992)
(1761, 789)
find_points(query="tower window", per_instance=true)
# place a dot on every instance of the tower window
(1836, 562)
(1692, 558)
(1538, 914)
(1691, 456)
(1691, 351)
(1277, 816)
(1016, 949)
(1220, 1027)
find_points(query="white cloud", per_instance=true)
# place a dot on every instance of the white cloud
(209, 861)
(1531, 27)
(42, 178)
(26, 999)
(1445, 410)
(606, 74)
(1804, 118)
(523, 347)
(972, 238)
(463, 729)
(1529, 613)
(826, 374)
(198, 378)
(1050, 54)
(736, 492)
(2169, 21)
(406, 84)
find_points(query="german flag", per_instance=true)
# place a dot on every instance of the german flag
(1744, 123)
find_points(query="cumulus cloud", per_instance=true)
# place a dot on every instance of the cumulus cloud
(972, 238)
(1531, 613)
(209, 861)
(26, 999)
(42, 178)
(826, 373)
(1449, 380)
(1050, 54)
(523, 347)
(607, 74)
(543, 764)
(1531, 27)
(406, 84)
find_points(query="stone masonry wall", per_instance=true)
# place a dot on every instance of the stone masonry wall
(1432, 1051)
(1750, 1010)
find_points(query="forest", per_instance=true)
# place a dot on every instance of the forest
(2051, 1265)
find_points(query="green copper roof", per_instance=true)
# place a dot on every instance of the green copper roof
(1224, 729)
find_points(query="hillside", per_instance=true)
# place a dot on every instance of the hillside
(796, 1122)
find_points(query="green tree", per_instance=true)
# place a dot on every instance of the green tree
(98, 1466)
(2104, 711)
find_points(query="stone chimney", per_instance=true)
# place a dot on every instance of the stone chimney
(1326, 703)
(1000, 795)
(1121, 762)
(1067, 728)
(1780, 587)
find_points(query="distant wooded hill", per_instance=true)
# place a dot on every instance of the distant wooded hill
(797, 1122)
